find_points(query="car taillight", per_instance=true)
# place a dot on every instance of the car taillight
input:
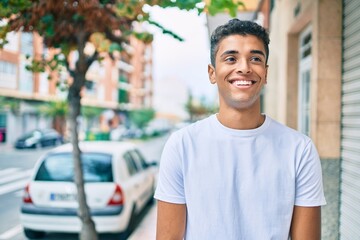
(118, 197)
(27, 197)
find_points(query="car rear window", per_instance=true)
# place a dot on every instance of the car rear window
(60, 167)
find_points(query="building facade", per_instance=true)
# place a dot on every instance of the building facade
(118, 84)
(350, 123)
(314, 87)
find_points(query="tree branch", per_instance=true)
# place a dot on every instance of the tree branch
(70, 71)
(112, 37)
(91, 59)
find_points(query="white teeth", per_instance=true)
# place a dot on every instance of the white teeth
(242, 82)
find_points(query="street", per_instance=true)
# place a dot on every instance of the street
(15, 169)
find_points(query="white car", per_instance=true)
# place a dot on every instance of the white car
(118, 185)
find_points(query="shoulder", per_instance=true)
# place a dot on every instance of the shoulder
(285, 132)
(287, 139)
(193, 129)
(187, 136)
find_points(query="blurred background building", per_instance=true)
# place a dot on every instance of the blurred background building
(119, 85)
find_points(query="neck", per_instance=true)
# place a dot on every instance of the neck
(241, 119)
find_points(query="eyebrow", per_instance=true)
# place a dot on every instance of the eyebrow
(229, 52)
(258, 52)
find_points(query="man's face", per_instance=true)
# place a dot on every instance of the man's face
(240, 71)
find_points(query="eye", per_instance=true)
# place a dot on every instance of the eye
(230, 59)
(256, 59)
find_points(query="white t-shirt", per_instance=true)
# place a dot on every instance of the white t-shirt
(239, 184)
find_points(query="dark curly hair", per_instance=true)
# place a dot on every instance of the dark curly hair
(236, 26)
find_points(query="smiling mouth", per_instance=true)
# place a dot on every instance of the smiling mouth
(240, 83)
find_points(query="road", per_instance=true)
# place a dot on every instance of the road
(15, 169)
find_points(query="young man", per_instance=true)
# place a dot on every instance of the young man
(239, 174)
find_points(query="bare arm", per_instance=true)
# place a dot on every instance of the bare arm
(171, 221)
(306, 223)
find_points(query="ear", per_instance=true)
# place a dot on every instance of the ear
(266, 72)
(211, 72)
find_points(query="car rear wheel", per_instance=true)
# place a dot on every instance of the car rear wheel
(32, 234)
(130, 228)
(118, 236)
(57, 142)
(151, 200)
(131, 225)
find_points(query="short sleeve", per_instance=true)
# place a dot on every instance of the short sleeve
(309, 185)
(170, 187)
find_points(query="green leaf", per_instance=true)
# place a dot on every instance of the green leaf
(50, 32)
(229, 6)
(4, 31)
(115, 47)
(141, 117)
(78, 18)
(144, 36)
(48, 19)
(164, 30)
(11, 7)
(3, 43)
(89, 112)
(53, 109)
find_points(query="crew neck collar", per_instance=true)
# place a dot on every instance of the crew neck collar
(238, 132)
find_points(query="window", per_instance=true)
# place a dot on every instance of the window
(123, 90)
(101, 92)
(97, 167)
(13, 42)
(8, 75)
(305, 44)
(90, 87)
(25, 78)
(304, 81)
(139, 158)
(2, 127)
(44, 83)
(26, 43)
(272, 5)
(2, 120)
(132, 167)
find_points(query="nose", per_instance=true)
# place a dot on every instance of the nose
(243, 66)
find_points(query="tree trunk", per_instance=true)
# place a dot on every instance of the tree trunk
(59, 124)
(88, 231)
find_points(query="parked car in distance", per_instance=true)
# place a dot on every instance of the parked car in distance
(118, 185)
(39, 138)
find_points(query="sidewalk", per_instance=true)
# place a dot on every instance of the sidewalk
(4, 147)
(147, 228)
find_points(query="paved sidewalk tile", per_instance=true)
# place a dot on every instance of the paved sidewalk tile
(5, 147)
(147, 228)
